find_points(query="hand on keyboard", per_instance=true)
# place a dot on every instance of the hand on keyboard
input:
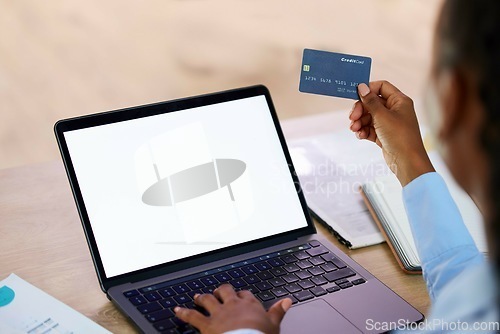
(230, 310)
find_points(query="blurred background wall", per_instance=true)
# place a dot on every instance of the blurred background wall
(63, 58)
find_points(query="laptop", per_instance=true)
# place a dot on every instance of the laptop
(176, 198)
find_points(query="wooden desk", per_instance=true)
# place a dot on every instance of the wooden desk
(42, 240)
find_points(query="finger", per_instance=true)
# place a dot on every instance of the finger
(371, 101)
(193, 317)
(278, 310)
(356, 112)
(245, 294)
(372, 135)
(207, 301)
(225, 292)
(365, 120)
(368, 133)
(383, 88)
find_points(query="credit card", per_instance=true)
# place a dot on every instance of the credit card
(333, 74)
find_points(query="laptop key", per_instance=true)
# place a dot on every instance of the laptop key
(168, 292)
(180, 288)
(189, 305)
(138, 300)
(265, 275)
(181, 299)
(237, 283)
(292, 288)
(186, 330)
(333, 289)
(265, 295)
(303, 295)
(251, 288)
(338, 274)
(301, 255)
(290, 278)
(152, 296)
(314, 243)
(178, 322)
(208, 289)
(251, 279)
(168, 303)
(164, 325)
(328, 267)
(277, 282)
(263, 266)
(194, 285)
(316, 261)
(316, 271)
(345, 285)
(304, 264)
(194, 292)
(317, 251)
(358, 281)
(222, 277)
(279, 292)
(236, 273)
(131, 293)
(341, 281)
(249, 270)
(148, 308)
(276, 262)
(263, 286)
(289, 258)
(319, 280)
(306, 284)
(291, 268)
(170, 331)
(335, 260)
(278, 271)
(209, 280)
(318, 291)
(159, 315)
(303, 274)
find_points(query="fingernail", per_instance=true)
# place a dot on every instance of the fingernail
(363, 89)
(196, 295)
(352, 109)
(350, 125)
(177, 309)
(358, 134)
(286, 304)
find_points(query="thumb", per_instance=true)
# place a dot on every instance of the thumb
(278, 310)
(371, 101)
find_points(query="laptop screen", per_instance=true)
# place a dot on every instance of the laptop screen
(173, 185)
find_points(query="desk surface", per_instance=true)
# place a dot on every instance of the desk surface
(42, 240)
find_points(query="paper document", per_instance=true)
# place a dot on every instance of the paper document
(331, 168)
(27, 309)
(387, 194)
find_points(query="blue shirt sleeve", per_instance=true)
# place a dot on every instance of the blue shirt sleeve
(444, 244)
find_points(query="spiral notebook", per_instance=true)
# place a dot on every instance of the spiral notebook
(383, 196)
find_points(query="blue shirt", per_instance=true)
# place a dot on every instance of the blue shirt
(460, 282)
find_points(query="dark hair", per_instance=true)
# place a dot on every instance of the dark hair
(468, 34)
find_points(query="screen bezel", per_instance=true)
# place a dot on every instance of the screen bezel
(126, 114)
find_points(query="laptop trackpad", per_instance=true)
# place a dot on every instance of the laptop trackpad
(316, 316)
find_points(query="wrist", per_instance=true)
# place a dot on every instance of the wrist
(412, 166)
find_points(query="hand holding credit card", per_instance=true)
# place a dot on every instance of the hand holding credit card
(333, 74)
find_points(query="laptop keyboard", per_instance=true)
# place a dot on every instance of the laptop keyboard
(299, 273)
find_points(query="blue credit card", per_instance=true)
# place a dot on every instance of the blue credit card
(333, 74)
